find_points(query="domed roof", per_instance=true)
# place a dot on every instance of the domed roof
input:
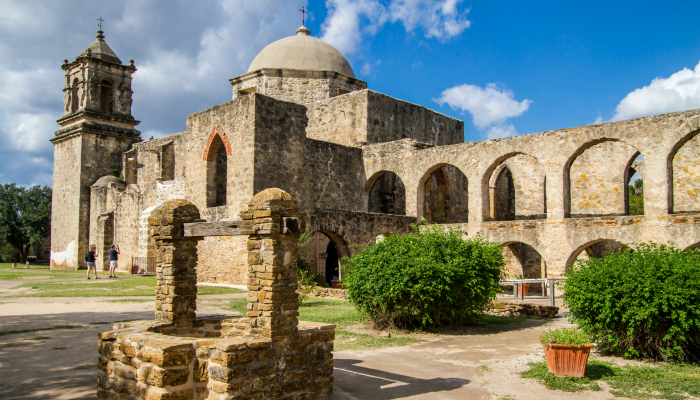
(107, 179)
(302, 52)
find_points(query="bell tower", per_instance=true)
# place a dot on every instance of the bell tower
(96, 128)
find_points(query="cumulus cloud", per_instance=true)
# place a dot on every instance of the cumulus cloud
(349, 21)
(490, 107)
(182, 67)
(680, 91)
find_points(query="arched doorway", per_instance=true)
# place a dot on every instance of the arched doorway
(598, 177)
(329, 249)
(685, 175)
(387, 194)
(595, 249)
(517, 189)
(444, 196)
(525, 262)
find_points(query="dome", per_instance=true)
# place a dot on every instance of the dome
(302, 52)
(107, 179)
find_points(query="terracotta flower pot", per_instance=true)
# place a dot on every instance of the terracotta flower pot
(336, 285)
(567, 360)
(526, 287)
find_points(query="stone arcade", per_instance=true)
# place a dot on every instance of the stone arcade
(360, 164)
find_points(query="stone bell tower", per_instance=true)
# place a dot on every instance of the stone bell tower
(96, 127)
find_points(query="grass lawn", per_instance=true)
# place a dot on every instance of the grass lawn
(7, 273)
(656, 381)
(105, 287)
(344, 315)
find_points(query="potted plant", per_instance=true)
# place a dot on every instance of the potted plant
(337, 284)
(566, 351)
(525, 286)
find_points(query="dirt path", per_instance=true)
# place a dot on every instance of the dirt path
(481, 364)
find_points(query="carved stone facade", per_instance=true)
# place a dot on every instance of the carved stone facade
(362, 164)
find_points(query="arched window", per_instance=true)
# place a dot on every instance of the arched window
(387, 195)
(217, 172)
(504, 197)
(74, 99)
(106, 97)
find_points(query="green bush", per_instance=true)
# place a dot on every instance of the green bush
(640, 303)
(9, 253)
(425, 278)
(568, 336)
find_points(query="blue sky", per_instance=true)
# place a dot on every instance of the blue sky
(505, 68)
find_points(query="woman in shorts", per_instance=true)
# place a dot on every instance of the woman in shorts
(90, 261)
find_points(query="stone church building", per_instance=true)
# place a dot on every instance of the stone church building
(361, 164)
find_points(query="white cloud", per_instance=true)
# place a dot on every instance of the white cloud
(500, 131)
(349, 20)
(680, 91)
(488, 106)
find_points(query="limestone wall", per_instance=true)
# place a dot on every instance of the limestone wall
(297, 86)
(686, 176)
(367, 117)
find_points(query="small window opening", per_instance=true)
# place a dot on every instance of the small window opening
(107, 97)
(74, 100)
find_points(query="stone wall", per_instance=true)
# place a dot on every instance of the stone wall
(445, 195)
(268, 354)
(686, 177)
(367, 117)
(298, 86)
(599, 179)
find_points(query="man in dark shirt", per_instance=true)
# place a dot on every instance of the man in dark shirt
(113, 257)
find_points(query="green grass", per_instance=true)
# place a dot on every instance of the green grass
(3, 333)
(149, 300)
(343, 314)
(9, 345)
(60, 348)
(38, 338)
(141, 286)
(655, 381)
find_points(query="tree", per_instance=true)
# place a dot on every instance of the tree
(636, 197)
(25, 216)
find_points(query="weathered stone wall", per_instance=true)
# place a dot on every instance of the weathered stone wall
(599, 179)
(686, 176)
(78, 162)
(267, 355)
(527, 185)
(559, 237)
(367, 117)
(298, 86)
(317, 174)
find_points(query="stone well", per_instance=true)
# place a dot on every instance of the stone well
(266, 355)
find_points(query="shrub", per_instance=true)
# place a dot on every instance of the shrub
(640, 303)
(9, 253)
(568, 336)
(425, 278)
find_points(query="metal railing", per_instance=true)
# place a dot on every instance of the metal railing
(547, 283)
(143, 265)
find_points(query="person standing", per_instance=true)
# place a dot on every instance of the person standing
(90, 261)
(113, 257)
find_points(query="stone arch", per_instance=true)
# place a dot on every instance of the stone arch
(216, 155)
(107, 96)
(683, 166)
(514, 187)
(596, 249)
(331, 248)
(523, 258)
(443, 195)
(634, 190)
(596, 176)
(74, 98)
(385, 193)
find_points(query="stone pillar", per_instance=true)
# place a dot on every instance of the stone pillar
(274, 224)
(176, 289)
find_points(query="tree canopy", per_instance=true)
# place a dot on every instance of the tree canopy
(25, 216)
